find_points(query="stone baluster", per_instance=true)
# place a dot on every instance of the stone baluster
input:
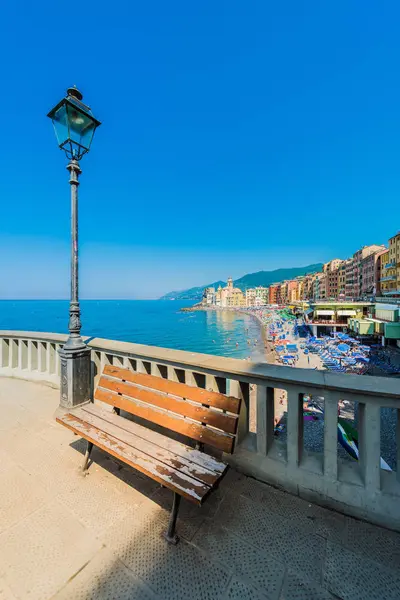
(211, 383)
(20, 357)
(331, 400)
(14, 353)
(155, 370)
(140, 366)
(369, 443)
(47, 347)
(264, 418)
(172, 375)
(32, 356)
(294, 426)
(190, 379)
(240, 389)
(398, 445)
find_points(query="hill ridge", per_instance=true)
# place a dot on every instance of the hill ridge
(263, 278)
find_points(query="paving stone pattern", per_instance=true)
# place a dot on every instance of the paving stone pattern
(65, 536)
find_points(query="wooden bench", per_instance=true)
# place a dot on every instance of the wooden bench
(208, 418)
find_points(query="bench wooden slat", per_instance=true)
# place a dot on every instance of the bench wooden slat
(209, 416)
(197, 457)
(110, 424)
(186, 486)
(201, 433)
(228, 403)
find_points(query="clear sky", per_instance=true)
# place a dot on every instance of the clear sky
(237, 136)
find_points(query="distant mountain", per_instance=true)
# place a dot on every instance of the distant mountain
(194, 293)
(264, 278)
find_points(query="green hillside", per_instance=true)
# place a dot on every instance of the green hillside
(264, 278)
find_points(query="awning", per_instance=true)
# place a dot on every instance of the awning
(346, 313)
(325, 312)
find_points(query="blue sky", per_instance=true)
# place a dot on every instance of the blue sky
(236, 136)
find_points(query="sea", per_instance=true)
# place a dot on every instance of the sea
(151, 322)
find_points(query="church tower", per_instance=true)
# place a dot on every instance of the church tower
(230, 283)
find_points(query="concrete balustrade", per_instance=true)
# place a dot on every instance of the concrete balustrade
(361, 488)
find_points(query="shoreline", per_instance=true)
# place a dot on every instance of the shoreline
(268, 347)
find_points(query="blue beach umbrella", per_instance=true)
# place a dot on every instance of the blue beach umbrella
(343, 347)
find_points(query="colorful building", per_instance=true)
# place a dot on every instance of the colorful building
(342, 271)
(209, 296)
(273, 293)
(258, 296)
(384, 324)
(370, 273)
(392, 269)
(291, 291)
(230, 296)
(319, 287)
(349, 284)
(384, 279)
(357, 270)
(331, 269)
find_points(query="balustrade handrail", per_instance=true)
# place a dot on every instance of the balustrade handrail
(233, 368)
(360, 489)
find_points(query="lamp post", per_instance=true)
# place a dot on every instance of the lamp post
(74, 125)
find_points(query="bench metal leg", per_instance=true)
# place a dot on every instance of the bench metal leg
(87, 457)
(170, 534)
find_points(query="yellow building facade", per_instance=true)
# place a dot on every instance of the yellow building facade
(229, 296)
(393, 266)
(384, 281)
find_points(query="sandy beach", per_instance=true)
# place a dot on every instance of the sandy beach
(305, 361)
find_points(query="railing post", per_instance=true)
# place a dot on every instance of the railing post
(140, 366)
(330, 434)
(57, 360)
(261, 419)
(47, 351)
(295, 426)
(398, 444)
(155, 369)
(211, 383)
(241, 390)
(13, 353)
(369, 419)
(31, 358)
(190, 379)
(172, 376)
(19, 363)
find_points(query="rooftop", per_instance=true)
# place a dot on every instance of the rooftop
(66, 536)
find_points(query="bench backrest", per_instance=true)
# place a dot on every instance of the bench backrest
(208, 417)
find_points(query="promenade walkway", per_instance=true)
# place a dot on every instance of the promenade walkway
(65, 536)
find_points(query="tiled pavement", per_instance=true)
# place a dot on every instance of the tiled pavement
(65, 536)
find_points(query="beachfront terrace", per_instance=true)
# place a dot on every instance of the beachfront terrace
(250, 541)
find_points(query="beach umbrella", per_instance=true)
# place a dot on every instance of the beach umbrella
(343, 347)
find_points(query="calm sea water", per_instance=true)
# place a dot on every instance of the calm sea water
(151, 322)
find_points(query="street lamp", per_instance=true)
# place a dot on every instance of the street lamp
(74, 125)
